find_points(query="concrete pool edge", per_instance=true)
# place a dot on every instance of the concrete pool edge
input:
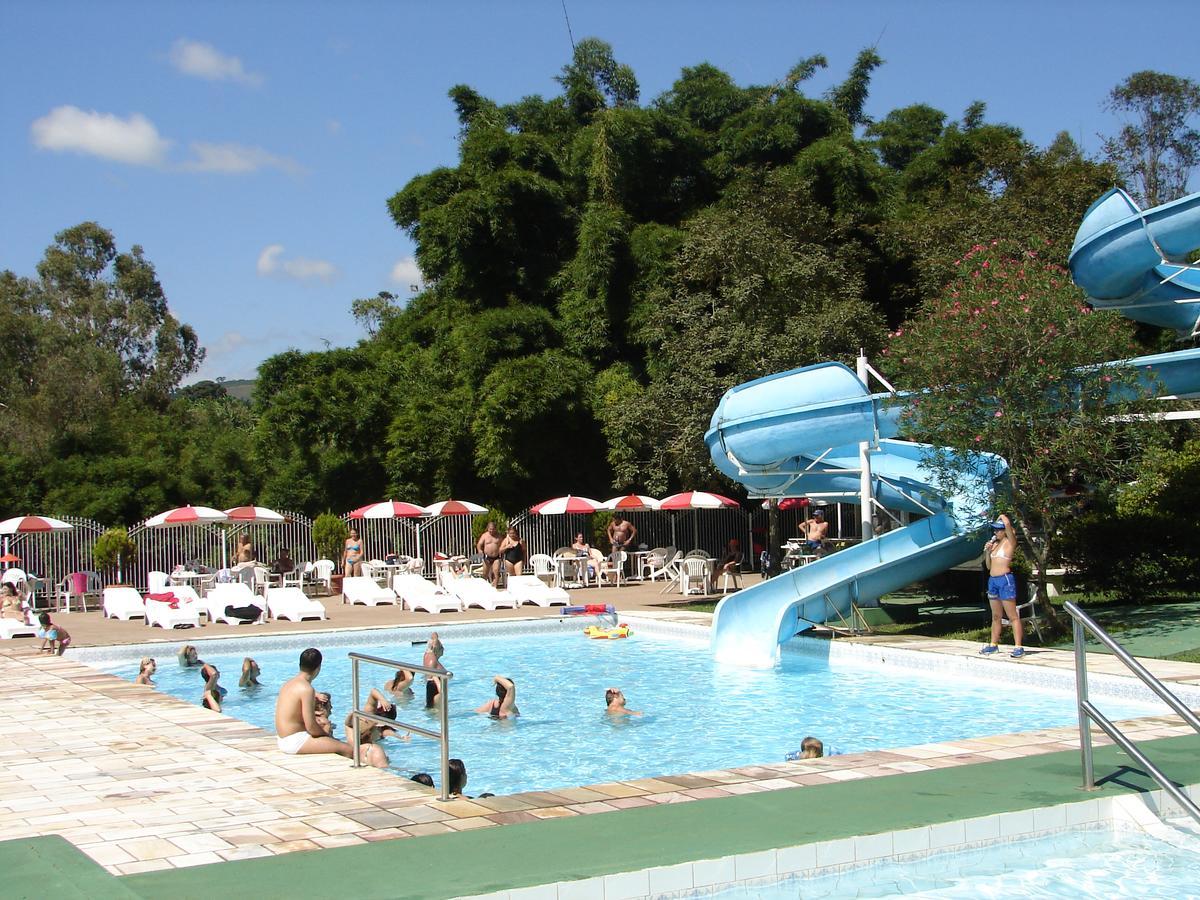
(613, 856)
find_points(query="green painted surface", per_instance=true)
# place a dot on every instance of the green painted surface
(52, 867)
(552, 850)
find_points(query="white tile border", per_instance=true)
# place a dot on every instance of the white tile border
(707, 876)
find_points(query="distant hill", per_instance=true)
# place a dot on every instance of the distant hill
(242, 388)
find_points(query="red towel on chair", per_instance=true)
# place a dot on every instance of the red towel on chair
(166, 597)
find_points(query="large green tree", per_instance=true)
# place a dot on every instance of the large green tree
(1157, 147)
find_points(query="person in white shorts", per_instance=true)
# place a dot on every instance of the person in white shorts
(295, 713)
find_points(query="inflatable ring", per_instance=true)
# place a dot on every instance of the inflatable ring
(607, 634)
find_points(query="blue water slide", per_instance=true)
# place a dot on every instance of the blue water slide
(797, 433)
(1136, 261)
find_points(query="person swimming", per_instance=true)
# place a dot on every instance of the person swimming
(505, 704)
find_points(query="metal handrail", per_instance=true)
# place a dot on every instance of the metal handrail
(442, 736)
(1080, 622)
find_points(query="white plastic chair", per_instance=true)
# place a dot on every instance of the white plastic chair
(694, 571)
(74, 586)
(158, 581)
(322, 573)
(543, 566)
(611, 572)
(235, 594)
(1028, 612)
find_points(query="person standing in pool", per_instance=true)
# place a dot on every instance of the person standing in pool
(1002, 586)
(614, 699)
(505, 704)
(146, 671)
(250, 673)
(296, 724)
(213, 692)
(188, 656)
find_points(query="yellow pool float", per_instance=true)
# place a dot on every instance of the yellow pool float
(607, 634)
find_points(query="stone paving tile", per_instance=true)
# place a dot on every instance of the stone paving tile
(194, 859)
(433, 828)
(470, 824)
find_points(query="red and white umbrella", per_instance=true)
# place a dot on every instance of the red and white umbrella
(33, 525)
(455, 508)
(389, 509)
(632, 503)
(254, 515)
(697, 500)
(789, 503)
(566, 505)
(187, 515)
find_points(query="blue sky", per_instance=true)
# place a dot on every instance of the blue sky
(250, 147)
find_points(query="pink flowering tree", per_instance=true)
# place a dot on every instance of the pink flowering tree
(1009, 360)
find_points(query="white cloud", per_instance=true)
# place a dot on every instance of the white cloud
(203, 60)
(271, 263)
(236, 159)
(134, 141)
(406, 273)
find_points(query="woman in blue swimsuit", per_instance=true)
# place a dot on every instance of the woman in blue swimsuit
(352, 556)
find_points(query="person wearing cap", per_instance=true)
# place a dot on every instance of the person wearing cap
(1002, 586)
(815, 530)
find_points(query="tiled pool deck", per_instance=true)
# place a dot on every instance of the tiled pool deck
(141, 781)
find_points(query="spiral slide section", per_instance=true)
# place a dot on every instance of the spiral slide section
(797, 434)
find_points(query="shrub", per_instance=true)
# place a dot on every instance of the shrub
(114, 550)
(329, 536)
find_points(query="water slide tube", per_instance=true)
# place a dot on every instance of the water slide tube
(797, 433)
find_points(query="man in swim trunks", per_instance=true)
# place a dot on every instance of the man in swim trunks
(1002, 586)
(296, 723)
(488, 546)
(621, 533)
(815, 530)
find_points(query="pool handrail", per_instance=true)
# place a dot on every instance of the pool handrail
(442, 736)
(1081, 622)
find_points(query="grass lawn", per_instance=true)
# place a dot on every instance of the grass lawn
(1160, 628)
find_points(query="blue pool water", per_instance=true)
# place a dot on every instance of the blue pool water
(699, 715)
(1101, 864)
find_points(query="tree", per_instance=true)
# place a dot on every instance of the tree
(1157, 150)
(1005, 361)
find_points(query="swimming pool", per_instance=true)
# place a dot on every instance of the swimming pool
(1099, 862)
(699, 715)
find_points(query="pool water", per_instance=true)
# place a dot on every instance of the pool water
(1101, 864)
(699, 715)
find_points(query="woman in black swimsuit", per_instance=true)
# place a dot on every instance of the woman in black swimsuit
(514, 552)
(505, 704)
(213, 692)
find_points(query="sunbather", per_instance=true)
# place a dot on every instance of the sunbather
(10, 603)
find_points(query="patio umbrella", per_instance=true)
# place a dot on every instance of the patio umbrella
(694, 500)
(33, 525)
(632, 503)
(190, 515)
(389, 509)
(392, 509)
(187, 515)
(10, 558)
(789, 503)
(254, 515)
(455, 508)
(567, 505)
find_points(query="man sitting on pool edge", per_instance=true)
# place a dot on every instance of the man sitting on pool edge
(296, 723)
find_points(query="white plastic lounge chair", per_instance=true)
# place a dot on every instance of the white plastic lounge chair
(361, 589)
(123, 603)
(236, 594)
(477, 592)
(185, 614)
(291, 603)
(418, 594)
(531, 589)
(11, 628)
(158, 581)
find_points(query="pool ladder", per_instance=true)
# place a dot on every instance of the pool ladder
(442, 735)
(1082, 622)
